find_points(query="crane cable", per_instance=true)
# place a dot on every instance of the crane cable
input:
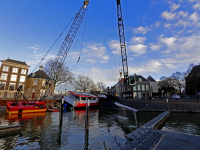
(52, 45)
(75, 65)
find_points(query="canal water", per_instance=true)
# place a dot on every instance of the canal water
(42, 130)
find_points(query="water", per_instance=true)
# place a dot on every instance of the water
(41, 131)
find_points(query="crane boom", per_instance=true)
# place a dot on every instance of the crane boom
(62, 53)
(122, 44)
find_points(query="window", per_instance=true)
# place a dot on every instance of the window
(13, 77)
(143, 88)
(10, 95)
(138, 87)
(2, 85)
(147, 87)
(22, 79)
(35, 82)
(134, 94)
(140, 79)
(134, 88)
(12, 87)
(139, 95)
(5, 68)
(15, 70)
(1, 94)
(4, 76)
(23, 71)
(83, 98)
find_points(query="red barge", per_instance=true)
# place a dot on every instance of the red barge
(24, 107)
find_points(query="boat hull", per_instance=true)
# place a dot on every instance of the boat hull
(24, 107)
(80, 104)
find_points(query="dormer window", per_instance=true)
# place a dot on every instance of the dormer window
(140, 79)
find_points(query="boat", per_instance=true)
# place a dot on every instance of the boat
(24, 107)
(53, 110)
(80, 99)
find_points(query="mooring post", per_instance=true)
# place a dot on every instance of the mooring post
(87, 125)
(167, 104)
(61, 111)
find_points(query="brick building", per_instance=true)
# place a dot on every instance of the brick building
(13, 73)
(34, 83)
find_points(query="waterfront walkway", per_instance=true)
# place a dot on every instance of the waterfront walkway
(146, 137)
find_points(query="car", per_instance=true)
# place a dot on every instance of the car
(176, 96)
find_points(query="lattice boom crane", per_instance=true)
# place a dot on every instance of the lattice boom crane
(122, 44)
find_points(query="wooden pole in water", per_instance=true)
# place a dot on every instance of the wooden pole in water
(87, 125)
(61, 111)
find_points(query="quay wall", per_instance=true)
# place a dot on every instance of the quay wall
(152, 105)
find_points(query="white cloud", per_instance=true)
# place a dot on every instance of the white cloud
(170, 42)
(174, 6)
(157, 24)
(166, 52)
(92, 61)
(194, 17)
(141, 30)
(103, 61)
(155, 47)
(182, 14)
(168, 15)
(138, 40)
(34, 48)
(152, 66)
(196, 6)
(190, 31)
(94, 50)
(115, 45)
(138, 49)
(167, 25)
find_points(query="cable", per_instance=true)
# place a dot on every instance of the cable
(52, 46)
(74, 67)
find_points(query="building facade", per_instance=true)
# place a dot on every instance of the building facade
(193, 81)
(13, 73)
(35, 83)
(140, 87)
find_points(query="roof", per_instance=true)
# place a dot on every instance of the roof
(149, 78)
(139, 76)
(195, 70)
(16, 61)
(39, 74)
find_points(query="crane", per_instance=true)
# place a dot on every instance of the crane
(62, 53)
(123, 46)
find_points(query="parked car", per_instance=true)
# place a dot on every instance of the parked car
(176, 96)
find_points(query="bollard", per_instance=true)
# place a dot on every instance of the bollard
(61, 111)
(167, 104)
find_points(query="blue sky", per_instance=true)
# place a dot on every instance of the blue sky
(162, 37)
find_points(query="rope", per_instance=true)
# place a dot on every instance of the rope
(74, 67)
(52, 46)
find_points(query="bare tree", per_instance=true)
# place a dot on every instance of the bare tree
(82, 83)
(179, 80)
(101, 86)
(59, 74)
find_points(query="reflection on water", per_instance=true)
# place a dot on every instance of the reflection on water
(184, 122)
(41, 131)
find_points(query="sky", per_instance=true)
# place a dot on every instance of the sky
(162, 37)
